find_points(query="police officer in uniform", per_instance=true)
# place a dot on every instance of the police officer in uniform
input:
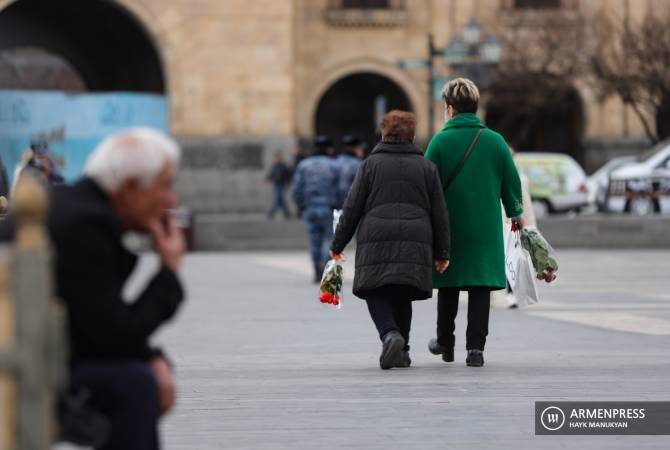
(315, 192)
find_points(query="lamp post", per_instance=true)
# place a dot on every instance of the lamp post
(470, 55)
(474, 55)
(432, 53)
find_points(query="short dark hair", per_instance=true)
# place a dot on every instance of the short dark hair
(398, 126)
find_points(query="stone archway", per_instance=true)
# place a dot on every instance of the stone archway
(96, 50)
(321, 81)
(355, 105)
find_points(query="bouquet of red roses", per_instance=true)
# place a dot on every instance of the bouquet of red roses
(330, 290)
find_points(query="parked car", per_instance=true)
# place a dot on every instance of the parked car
(557, 182)
(642, 188)
(598, 183)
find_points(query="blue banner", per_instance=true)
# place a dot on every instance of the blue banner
(72, 125)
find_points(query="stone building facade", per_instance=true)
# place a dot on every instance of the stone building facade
(248, 78)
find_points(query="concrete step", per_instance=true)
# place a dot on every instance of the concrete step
(607, 231)
(237, 232)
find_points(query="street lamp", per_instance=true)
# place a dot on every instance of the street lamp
(472, 55)
(468, 55)
(471, 32)
(491, 50)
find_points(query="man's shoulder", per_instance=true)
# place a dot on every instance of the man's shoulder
(80, 208)
(318, 162)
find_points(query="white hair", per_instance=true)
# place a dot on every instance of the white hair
(140, 153)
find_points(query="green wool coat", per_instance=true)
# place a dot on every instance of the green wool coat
(473, 201)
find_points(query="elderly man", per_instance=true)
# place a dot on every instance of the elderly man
(127, 185)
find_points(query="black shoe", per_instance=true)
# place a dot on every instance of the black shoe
(404, 360)
(437, 349)
(475, 358)
(392, 346)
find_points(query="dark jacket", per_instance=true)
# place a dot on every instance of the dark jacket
(396, 201)
(280, 174)
(92, 266)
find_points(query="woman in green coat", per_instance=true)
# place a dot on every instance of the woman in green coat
(486, 177)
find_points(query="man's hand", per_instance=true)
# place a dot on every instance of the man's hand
(441, 265)
(337, 256)
(169, 242)
(165, 382)
(517, 223)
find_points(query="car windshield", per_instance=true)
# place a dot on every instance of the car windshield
(613, 165)
(648, 154)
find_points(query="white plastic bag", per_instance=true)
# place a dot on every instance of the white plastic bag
(519, 269)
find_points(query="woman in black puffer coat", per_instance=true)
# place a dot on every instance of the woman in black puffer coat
(397, 204)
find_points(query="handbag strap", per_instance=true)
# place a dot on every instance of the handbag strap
(462, 163)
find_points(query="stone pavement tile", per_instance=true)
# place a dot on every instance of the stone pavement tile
(262, 365)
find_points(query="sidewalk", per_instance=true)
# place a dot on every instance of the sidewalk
(262, 365)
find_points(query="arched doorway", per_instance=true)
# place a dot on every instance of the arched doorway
(538, 115)
(355, 105)
(94, 49)
(102, 43)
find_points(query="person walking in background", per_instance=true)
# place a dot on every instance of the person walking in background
(315, 193)
(298, 156)
(279, 176)
(477, 172)
(397, 205)
(348, 162)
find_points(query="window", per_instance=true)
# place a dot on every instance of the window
(365, 4)
(537, 4)
(366, 13)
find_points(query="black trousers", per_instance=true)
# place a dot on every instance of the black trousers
(479, 304)
(126, 392)
(389, 313)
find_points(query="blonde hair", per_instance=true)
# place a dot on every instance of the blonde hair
(462, 94)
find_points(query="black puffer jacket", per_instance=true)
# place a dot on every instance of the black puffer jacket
(397, 203)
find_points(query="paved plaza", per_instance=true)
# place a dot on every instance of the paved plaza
(262, 365)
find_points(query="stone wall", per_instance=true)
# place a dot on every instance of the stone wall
(229, 174)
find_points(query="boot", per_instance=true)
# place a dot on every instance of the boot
(392, 346)
(404, 361)
(437, 349)
(475, 358)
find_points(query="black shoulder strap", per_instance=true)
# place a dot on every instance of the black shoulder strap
(462, 163)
